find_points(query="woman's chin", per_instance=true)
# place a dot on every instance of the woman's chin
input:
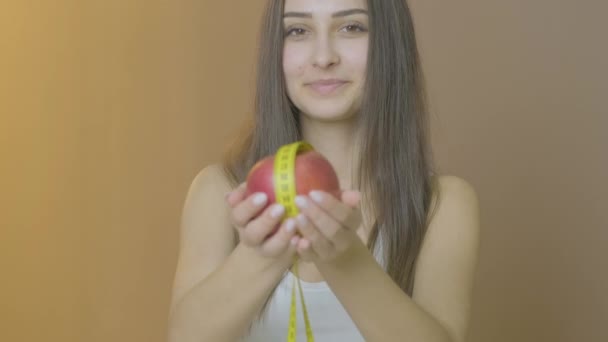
(326, 115)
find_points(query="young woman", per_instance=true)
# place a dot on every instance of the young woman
(393, 259)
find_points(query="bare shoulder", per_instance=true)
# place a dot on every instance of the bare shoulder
(205, 234)
(453, 188)
(213, 176)
(455, 214)
(447, 261)
(205, 197)
(204, 207)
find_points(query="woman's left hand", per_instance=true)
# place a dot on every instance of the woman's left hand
(328, 226)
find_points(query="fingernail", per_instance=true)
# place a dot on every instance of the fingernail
(316, 196)
(290, 225)
(260, 199)
(301, 202)
(277, 210)
(294, 240)
(301, 220)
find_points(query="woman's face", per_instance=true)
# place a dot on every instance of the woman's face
(325, 56)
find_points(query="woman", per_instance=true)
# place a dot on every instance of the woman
(391, 260)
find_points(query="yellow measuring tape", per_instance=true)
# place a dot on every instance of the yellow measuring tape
(285, 193)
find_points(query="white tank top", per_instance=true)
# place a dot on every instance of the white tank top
(328, 319)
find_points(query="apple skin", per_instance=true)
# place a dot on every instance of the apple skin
(312, 172)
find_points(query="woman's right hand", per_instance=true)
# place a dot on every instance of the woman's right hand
(254, 227)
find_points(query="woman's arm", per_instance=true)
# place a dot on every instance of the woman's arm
(218, 289)
(439, 309)
(221, 306)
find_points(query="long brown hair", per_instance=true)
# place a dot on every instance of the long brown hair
(394, 164)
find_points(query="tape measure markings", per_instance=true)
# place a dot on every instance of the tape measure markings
(285, 193)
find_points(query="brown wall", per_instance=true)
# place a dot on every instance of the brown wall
(109, 109)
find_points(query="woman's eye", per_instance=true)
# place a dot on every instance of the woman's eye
(299, 32)
(354, 28)
(295, 32)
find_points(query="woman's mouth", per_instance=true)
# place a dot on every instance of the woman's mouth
(326, 87)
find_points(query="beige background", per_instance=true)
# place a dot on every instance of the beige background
(109, 109)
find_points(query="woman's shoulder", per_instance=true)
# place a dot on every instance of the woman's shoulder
(453, 185)
(209, 184)
(452, 193)
(213, 176)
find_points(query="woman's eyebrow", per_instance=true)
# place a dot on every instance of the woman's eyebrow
(335, 15)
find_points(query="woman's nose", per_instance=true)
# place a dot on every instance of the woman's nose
(325, 54)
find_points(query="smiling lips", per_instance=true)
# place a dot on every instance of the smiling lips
(326, 87)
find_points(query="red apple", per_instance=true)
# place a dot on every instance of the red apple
(312, 172)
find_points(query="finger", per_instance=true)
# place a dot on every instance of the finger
(278, 243)
(328, 245)
(258, 229)
(352, 198)
(345, 214)
(293, 245)
(320, 219)
(237, 195)
(248, 209)
(320, 244)
(305, 250)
